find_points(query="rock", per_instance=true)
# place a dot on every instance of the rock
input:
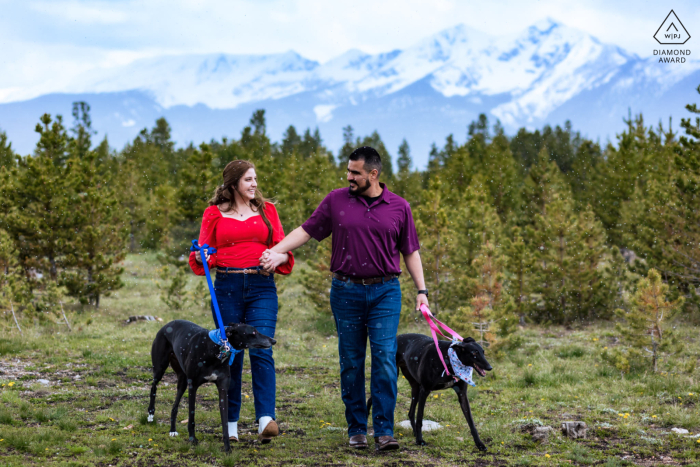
(133, 319)
(46, 382)
(680, 431)
(541, 433)
(574, 430)
(428, 425)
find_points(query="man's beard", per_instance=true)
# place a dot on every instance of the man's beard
(357, 189)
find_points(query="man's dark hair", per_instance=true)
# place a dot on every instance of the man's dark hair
(370, 156)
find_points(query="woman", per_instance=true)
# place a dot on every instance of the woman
(241, 224)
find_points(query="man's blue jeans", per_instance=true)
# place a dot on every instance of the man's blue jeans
(250, 299)
(362, 311)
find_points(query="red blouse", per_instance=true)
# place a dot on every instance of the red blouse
(239, 244)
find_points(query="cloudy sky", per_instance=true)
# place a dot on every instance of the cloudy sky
(46, 43)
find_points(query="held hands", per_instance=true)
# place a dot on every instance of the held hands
(270, 260)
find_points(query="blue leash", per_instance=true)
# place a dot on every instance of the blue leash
(225, 346)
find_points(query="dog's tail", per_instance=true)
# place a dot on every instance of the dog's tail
(369, 406)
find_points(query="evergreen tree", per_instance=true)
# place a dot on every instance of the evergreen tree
(82, 130)
(98, 243)
(13, 284)
(197, 185)
(348, 147)
(404, 161)
(41, 213)
(7, 155)
(645, 332)
(291, 141)
(434, 228)
(519, 264)
(317, 278)
(501, 176)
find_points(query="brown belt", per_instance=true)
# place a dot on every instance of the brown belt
(364, 281)
(242, 271)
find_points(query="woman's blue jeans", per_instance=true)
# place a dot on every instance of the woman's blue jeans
(363, 311)
(250, 299)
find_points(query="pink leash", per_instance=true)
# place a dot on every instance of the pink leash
(434, 330)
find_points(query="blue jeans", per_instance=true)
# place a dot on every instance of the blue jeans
(250, 299)
(362, 311)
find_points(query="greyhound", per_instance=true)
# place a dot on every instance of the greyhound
(193, 355)
(418, 359)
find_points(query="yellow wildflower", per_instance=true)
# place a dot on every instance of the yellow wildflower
(547, 455)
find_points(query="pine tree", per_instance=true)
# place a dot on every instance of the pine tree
(13, 284)
(662, 222)
(41, 212)
(500, 175)
(490, 313)
(568, 249)
(437, 239)
(519, 264)
(407, 184)
(645, 331)
(475, 222)
(8, 159)
(290, 142)
(98, 243)
(317, 278)
(404, 160)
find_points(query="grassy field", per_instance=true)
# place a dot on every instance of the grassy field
(92, 411)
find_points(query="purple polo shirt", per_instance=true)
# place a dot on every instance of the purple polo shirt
(366, 239)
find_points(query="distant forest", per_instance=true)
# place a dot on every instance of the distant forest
(542, 226)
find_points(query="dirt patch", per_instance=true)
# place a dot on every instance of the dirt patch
(14, 369)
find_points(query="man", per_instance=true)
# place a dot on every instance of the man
(370, 227)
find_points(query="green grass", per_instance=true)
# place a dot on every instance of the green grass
(94, 410)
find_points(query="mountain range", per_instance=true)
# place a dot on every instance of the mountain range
(546, 74)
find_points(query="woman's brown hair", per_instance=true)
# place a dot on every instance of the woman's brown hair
(233, 172)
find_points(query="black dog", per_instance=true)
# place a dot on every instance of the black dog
(420, 364)
(193, 355)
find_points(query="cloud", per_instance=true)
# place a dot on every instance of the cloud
(80, 12)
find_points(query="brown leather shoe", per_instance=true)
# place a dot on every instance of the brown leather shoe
(270, 431)
(358, 441)
(385, 443)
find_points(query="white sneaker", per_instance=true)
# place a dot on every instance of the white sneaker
(233, 431)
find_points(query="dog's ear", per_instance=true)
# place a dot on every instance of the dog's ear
(468, 340)
(233, 324)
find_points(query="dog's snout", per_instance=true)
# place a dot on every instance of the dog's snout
(273, 341)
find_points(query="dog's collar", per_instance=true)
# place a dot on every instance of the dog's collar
(461, 370)
(215, 336)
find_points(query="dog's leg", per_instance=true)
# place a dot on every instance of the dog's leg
(422, 397)
(461, 390)
(181, 387)
(222, 387)
(415, 391)
(192, 395)
(160, 356)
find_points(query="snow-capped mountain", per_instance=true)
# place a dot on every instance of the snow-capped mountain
(545, 74)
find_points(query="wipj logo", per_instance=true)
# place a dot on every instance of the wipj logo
(672, 31)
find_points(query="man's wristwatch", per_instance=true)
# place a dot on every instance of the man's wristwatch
(424, 291)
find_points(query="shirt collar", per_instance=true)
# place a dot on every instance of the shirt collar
(384, 197)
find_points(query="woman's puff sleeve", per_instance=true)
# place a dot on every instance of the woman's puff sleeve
(207, 236)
